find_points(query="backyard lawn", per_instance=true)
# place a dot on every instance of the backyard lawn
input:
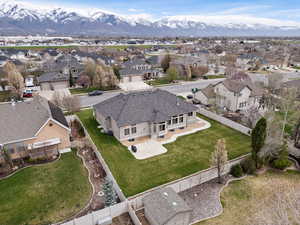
(45, 194)
(187, 155)
(246, 199)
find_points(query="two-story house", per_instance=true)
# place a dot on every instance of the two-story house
(138, 70)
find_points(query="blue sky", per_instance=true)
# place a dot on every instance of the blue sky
(277, 9)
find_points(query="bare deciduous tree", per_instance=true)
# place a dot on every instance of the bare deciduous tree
(199, 71)
(71, 103)
(15, 79)
(219, 157)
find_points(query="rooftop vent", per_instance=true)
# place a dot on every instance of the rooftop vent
(174, 203)
(166, 194)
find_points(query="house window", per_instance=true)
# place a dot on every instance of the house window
(169, 122)
(190, 114)
(127, 131)
(181, 119)
(162, 127)
(133, 130)
(175, 120)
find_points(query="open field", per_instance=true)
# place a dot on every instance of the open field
(45, 194)
(243, 199)
(189, 154)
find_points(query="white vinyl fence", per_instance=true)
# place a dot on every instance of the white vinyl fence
(225, 121)
(94, 217)
(186, 182)
(104, 165)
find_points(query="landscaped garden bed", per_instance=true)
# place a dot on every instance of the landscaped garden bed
(189, 154)
(45, 194)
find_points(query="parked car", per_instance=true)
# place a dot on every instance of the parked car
(27, 93)
(196, 102)
(190, 97)
(95, 93)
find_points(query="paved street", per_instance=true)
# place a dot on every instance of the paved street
(87, 101)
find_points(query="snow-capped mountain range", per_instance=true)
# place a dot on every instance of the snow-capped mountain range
(22, 18)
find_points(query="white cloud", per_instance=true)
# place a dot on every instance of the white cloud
(133, 10)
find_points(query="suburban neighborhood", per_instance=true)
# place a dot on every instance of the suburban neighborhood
(124, 121)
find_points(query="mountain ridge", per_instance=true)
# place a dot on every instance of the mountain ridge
(21, 19)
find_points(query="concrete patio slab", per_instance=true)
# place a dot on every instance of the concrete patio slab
(148, 149)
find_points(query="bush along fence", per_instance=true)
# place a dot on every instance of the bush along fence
(225, 121)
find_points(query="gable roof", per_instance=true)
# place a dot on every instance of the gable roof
(164, 204)
(53, 77)
(209, 91)
(24, 119)
(234, 86)
(145, 106)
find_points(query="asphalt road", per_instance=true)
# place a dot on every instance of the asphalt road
(87, 101)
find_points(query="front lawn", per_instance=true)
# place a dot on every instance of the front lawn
(159, 81)
(187, 155)
(246, 199)
(45, 194)
(75, 91)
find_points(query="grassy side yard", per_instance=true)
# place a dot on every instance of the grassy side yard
(244, 199)
(187, 155)
(5, 96)
(45, 194)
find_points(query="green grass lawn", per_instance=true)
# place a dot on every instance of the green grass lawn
(243, 199)
(75, 91)
(187, 155)
(45, 194)
(158, 82)
(215, 76)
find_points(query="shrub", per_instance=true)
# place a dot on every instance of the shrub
(281, 163)
(248, 166)
(236, 171)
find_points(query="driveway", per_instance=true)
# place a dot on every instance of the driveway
(134, 86)
(49, 94)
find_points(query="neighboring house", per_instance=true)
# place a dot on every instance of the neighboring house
(166, 207)
(34, 129)
(138, 70)
(251, 62)
(234, 95)
(52, 81)
(206, 96)
(144, 114)
(184, 64)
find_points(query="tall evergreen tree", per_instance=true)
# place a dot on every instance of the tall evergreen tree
(258, 137)
(165, 63)
(109, 193)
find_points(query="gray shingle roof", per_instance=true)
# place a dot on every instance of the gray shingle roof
(53, 77)
(24, 119)
(145, 106)
(164, 204)
(209, 91)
